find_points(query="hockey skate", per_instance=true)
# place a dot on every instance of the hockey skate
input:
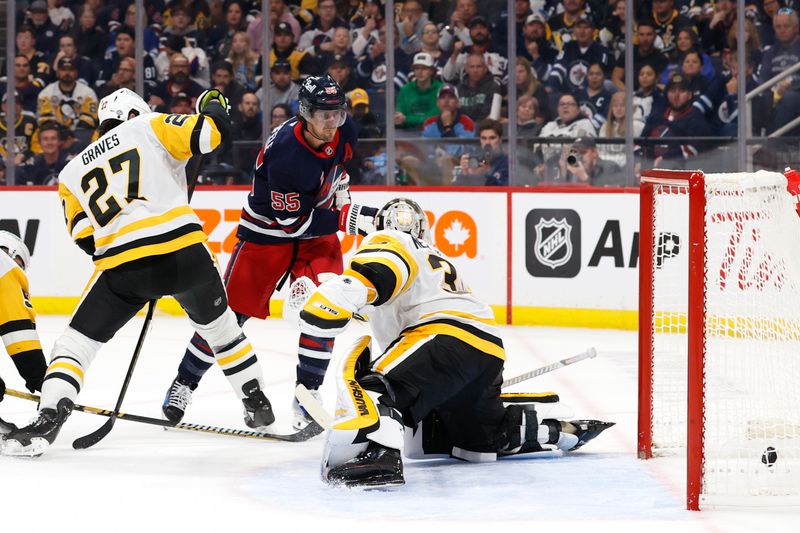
(33, 439)
(178, 398)
(257, 409)
(586, 430)
(374, 467)
(6, 427)
(300, 417)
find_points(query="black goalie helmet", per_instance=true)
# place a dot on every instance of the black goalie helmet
(404, 214)
(321, 93)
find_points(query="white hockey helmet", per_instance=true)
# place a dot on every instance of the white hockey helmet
(15, 247)
(403, 214)
(119, 104)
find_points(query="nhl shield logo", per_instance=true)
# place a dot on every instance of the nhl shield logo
(553, 245)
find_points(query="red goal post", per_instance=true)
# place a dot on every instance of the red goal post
(719, 333)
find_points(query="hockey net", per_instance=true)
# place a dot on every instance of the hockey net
(719, 345)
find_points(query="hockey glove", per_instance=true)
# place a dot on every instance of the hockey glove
(212, 95)
(343, 191)
(355, 219)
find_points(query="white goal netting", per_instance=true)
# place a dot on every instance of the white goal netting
(751, 377)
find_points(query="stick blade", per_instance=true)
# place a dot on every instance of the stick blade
(87, 441)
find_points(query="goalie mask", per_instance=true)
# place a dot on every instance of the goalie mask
(15, 248)
(120, 104)
(403, 214)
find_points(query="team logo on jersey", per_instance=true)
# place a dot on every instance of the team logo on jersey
(553, 246)
(577, 74)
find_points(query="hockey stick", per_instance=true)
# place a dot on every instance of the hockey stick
(588, 354)
(81, 443)
(306, 433)
(313, 406)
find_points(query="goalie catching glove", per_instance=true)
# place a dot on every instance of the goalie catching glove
(212, 95)
(355, 219)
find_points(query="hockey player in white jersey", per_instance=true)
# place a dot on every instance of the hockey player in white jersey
(125, 203)
(434, 390)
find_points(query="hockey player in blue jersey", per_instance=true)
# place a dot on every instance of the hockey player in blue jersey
(299, 200)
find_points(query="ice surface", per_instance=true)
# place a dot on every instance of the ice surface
(145, 477)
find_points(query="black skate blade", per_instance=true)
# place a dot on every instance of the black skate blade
(588, 430)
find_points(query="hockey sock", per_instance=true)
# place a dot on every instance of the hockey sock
(199, 357)
(314, 354)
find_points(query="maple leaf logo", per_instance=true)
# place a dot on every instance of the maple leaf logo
(456, 234)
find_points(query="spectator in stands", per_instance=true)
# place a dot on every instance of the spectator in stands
(786, 49)
(28, 87)
(126, 47)
(222, 79)
(340, 70)
(45, 32)
(690, 68)
(570, 123)
(178, 81)
(529, 85)
(715, 33)
(679, 119)
(614, 128)
(412, 21)
(86, 69)
(572, 64)
(220, 37)
(595, 98)
(687, 41)
(644, 53)
(454, 71)
(766, 31)
(522, 9)
(68, 102)
(281, 88)
(430, 45)
(489, 164)
(480, 92)
(668, 21)
(450, 123)
(562, 25)
(539, 50)
(358, 105)
(303, 64)
(528, 124)
(589, 168)
(371, 73)
(181, 26)
(416, 101)
(244, 61)
(280, 114)
(124, 77)
(150, 37)
(247, 124)
(366, 27)
(60, 15)
(46, 165)
(341, 49)
(317, 38)
(198, 61)
(752, 40)
(458, 29)
(649, 98)
(281, 12)
(199, 13)
(612, 34)
(37, 59)
(26, 142)
(92, 41)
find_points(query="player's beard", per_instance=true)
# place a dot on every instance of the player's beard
(321, 134)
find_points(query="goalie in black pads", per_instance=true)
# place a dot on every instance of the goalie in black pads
(434, 390)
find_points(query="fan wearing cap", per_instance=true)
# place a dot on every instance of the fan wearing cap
(679, 119)
(281, 88)
(572, 65)
(562, 24)
(583, 165)
(68, 102)
(299, 200)
(416, 101)
(454, 71)
(366, 123)
(25, 139)
(536, 47)
(17, 316)
(283, 47)
(45, 31)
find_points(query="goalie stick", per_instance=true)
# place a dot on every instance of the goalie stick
(317, 411)
(311, 430)
(588, 354)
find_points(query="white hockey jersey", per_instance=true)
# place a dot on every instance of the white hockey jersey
(125, 195)
(409, 291)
